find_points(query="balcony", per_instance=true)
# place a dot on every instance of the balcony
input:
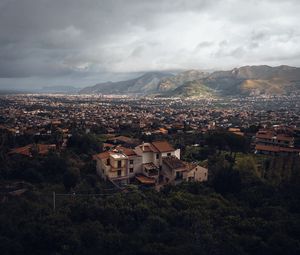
(150, 170)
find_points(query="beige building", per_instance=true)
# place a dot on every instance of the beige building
(149, 163)
(175, 171)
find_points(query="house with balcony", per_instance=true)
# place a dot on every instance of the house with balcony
(155, 163)
(272, 143)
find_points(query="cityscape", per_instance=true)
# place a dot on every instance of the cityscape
(150, 127)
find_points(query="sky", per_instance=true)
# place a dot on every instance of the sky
(84, 42)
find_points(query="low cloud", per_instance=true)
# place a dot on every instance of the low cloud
(79, 42)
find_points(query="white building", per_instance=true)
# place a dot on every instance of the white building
(149, 163)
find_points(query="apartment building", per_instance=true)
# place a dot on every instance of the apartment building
(271, 142)
(155, 163)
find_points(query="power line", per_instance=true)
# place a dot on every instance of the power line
(54, 195)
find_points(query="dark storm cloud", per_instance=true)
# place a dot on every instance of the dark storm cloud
(80, 41)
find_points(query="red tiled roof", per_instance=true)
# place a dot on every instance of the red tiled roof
(147, 147)
(271, 148)
(163, 146)
(127, 151)
(26, 150)
(285, 138)
(174, 163)
(102, 155)
(145, 180)
(42, 149)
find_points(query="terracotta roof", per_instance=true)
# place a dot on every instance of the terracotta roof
(44, 148)
(26, 150)
(125, 139)
(108, 145)
(174, 163)
(127, 151)
(41, 149)
(102, 155)
(264, 136)
(192, 166)
(150, 166)
(163, 146)
(148, 147)
(145, 180)
(285, 138)
(271, 148)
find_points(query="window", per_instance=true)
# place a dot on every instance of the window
(169, 154)
(178, 175)
(131, 161)
(108, 161)
(131, 170)
(119, 172)
(119, 164)
(157, 156)
(190, 179)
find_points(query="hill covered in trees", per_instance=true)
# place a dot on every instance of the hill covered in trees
(250, 205)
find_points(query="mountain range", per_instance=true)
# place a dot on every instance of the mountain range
(246, 80)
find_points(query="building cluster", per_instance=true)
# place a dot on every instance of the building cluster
(277, 141)
(155, 164)
(45, 115)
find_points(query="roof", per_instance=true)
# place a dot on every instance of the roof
(285, 138)
(102, 155)
(127, 151)
(44, 148)
(163, 146)
(26, 150)
(145, 180)
(117, 155)
(150, 166)
(174, 163)
(272, 148)
(125, 139)
(105, 145)
(147, 147)
(41, 149)
(192, 166)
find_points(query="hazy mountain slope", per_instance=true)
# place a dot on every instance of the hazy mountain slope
(174, 82)
(192, 89)
(144, 84)
(255, 80)
(246, 80)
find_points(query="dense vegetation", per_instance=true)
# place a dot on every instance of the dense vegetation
(251, 205)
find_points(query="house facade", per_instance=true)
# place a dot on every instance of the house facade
(149, 163)
(272, 143)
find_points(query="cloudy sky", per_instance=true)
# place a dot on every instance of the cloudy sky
(82, 42)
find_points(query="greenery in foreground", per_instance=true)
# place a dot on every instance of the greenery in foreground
(251, 205)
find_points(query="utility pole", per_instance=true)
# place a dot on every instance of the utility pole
(54, 201)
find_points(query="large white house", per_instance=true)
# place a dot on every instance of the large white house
(149, 163)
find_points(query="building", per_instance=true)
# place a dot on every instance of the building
(175, 171)
(118, 165)
(273, 143)
(34, 149)
(155, 163)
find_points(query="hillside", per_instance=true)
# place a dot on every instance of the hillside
(256, 80)
(246, 80)
(144, 84)
(171, 83)
(192, 89)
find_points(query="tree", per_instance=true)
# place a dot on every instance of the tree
(71, 177)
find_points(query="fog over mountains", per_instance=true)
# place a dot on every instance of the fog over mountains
(246, 80)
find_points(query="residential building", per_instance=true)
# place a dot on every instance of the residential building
(149, 163)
